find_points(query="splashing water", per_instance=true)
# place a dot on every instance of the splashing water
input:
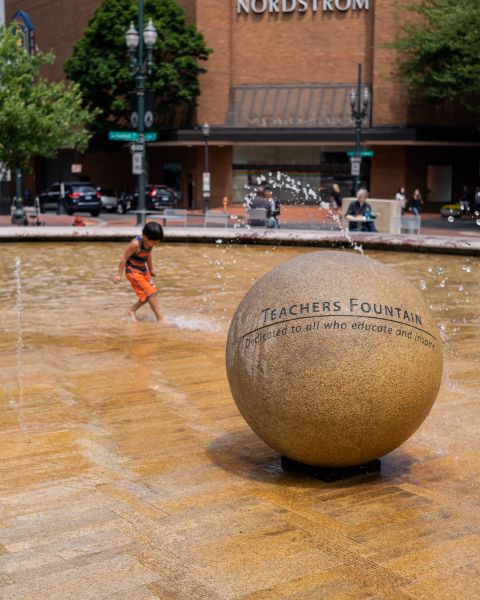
(18, 308)
(300, 196)
(193, 323)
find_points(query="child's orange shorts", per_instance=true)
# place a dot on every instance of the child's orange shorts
(142, 285)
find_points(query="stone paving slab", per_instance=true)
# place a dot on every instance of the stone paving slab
(377, 241)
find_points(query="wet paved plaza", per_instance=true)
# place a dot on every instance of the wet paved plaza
(127, 472)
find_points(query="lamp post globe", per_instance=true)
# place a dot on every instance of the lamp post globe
(150, 35)
(366, 98)
(353, 100)
(131, 37)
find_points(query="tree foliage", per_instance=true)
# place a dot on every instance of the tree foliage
(36, 117)
(99, 62)
(440, 51)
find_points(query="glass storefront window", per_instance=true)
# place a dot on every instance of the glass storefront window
(297, 175)
(172, 176)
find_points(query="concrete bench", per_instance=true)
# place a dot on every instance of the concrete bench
(257, 217)
(410, 224)
(171, 215)
(215, 219)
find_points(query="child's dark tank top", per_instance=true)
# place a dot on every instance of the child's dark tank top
(138, 260)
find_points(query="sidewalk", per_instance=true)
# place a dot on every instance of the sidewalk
(292, 217)
(438, 244)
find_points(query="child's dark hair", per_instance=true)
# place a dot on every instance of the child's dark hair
(153, 231)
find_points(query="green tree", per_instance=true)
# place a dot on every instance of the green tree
(36, 117)
(99, 62)
(439, 51)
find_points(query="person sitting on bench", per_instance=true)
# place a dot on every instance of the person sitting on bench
(359, 213)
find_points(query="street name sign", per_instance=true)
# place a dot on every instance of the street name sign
(123, 136)
(364, 153)
(130, 136)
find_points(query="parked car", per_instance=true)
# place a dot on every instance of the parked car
(452, 210)
(127, 201)
(78, 197)
(108, 197)
(160, 196)
(156, 198)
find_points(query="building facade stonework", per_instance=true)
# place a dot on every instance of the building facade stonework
(276, 96)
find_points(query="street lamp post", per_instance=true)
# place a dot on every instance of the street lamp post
(359, 101)
(140, 68)
(22, 21)
(206, 173)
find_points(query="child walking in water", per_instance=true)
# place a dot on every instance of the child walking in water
(137, 264)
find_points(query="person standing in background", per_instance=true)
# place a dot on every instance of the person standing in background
(336, 196)
(401, 198)
(274, 208)
(416, 202)
(464, 199)
(477, 199)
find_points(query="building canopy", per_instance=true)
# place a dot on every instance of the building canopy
(291, 106)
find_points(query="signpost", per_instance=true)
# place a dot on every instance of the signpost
(355, 165)
(135, 147)
(130, 136)
(137, 163)
(206, 185)
(76, 168)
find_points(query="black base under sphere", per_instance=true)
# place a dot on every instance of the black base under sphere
(330, 474)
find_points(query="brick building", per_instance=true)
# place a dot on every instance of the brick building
(277, 98)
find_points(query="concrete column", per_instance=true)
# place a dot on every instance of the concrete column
(220, 164)
(389, 171)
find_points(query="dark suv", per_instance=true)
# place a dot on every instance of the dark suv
(78, 197)
(160, 196)
(156, 198)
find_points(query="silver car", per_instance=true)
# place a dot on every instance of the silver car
(109, 199)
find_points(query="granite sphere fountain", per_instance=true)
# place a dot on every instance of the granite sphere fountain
(334, 359)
